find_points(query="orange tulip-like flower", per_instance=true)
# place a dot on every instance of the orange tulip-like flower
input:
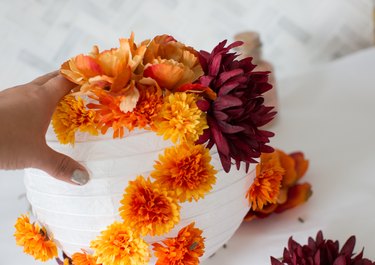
(110, 70)
(275, 187)
(171, 63)
(180, 119)
(71, 116)
(110, 114)
(185, 249)
(119, 245)
(186, 170)
(148, 208)
(34, 240)
(83, 259)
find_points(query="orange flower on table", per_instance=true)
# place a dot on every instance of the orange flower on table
(71, 116)
(148, 208)
(83, 259)
(34, 239)
(185, 249)
(180, 119)
(186, 170)
(110, 114)
(171, 63)
(275, 187)
(119, 245)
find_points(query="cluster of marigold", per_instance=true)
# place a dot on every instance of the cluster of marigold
(183, 173)
(195, 99)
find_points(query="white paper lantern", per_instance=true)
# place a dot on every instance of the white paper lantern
(75, 215)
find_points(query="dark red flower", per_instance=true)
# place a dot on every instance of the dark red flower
(238, 112)
(321, 252)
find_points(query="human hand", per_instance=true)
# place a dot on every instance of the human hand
(25, 114)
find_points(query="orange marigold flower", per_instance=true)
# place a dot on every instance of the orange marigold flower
(185, 249)
(149, 209)
(275, 188)
(119, 245)
(180, 119)
(186, 170)
(71, 116)
(34, 240)
(110, 114)
(83, 259)
(266, 186)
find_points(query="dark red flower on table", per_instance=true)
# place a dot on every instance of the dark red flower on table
(238, 112)
(321, 252)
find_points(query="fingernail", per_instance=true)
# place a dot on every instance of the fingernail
(80, 177)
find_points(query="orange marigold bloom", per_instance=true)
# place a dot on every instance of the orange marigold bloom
(185, 249)
(269, 193)
(83, 259)
(149, 209)
(266, 186)
(111, 116)
(186, 170)
(119, 245)
(71, 116)
(34, 240)
(180, 119)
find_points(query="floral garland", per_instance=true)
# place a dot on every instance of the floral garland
(195, 99)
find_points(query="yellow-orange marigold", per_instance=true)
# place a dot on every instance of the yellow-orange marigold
(83, 259)
(149, 209)
(119, 245)
(185, 249)
(270, 194)
(186, 170)
(34, 239)
(266, 186)
(180, 119)
(70, 116)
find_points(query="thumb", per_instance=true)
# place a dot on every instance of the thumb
(64, 168)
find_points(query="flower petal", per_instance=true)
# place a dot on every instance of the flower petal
(297, 195)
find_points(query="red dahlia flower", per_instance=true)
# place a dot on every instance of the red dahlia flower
(238, 112)
(321, 252)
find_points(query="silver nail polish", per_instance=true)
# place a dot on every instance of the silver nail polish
(80, 177)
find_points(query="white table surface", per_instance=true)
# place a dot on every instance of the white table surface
(328, 113)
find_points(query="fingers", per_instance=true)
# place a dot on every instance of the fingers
(57, 87)
(64, 168)
(44, 78)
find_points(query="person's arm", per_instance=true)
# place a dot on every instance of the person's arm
(25, 113)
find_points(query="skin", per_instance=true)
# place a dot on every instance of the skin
(25, 114)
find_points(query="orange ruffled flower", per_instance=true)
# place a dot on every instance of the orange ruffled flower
(83, 259)
(275, 187)
(171, 63)
(186, 170)
(119, 245)
(180, 119)
(111, 116)
(266, 186)
(185, 249)
(149, 209)
(111, 69)
(71, 116)
(34, 240)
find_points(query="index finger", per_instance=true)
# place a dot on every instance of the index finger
(58, 87)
